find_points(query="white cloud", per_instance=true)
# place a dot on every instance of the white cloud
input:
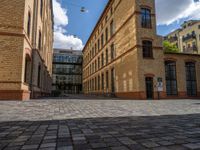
(61, 38)
(169, 11)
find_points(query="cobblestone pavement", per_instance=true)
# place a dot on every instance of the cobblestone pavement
(81, 124)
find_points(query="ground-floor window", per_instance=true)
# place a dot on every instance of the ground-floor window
(191, 79)
(171, 80)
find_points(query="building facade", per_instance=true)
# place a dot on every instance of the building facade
(67, 71)
(124, 56)
(187, 38)
(26, 37)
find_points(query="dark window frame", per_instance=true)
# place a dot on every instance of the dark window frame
(171, 78)
(191, 80)
(147, 48)
(146, 18)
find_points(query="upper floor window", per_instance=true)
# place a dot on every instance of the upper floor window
(146, 18)
(29, 24)
(106, 56)
(41, 7)
(111, 28)
(147, 49)
(112, 51)
(102, 40)
(106, 34)
(102, 59)
(98, 44)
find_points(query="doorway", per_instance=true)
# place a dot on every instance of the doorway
(149, 88)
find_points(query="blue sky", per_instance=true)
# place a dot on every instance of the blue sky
(72, 28)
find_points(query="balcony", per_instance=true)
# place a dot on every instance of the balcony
(189, 37)
(173, 39)
(191, 50)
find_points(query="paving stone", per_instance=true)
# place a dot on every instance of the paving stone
(192, 145)
(100, 124)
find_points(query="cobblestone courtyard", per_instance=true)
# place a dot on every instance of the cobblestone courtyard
(81, 124)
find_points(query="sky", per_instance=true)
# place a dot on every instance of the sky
(72, 27)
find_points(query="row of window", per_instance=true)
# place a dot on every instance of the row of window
(29, 25)
(145, 23)
(171, 78)
(100, 43)
(101, 82)
(101, 61)
(66, 79)
(67, 69)
(147, 49)
(67, 59)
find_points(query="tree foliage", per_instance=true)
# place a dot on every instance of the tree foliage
(169, 47)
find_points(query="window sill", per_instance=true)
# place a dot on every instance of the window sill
(150, 58)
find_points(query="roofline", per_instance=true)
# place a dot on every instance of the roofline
(97, 24)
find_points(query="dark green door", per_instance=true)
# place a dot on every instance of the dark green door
(149, 87)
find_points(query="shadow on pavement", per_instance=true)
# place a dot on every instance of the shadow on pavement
(176, 132)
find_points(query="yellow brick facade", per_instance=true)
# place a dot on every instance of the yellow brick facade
(127, 72)
(187, 38)
(21, 21)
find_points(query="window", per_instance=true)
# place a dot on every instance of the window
(191, 79)
(41, 7)
(95, 83)
(29, 24)
(26, 71)
(146, 18)
(106, 34)
(107, 79)
(102, 59)
(95, 48)
(171, 81)
(111, 28)
(111, 10)
(102, 40)
(39, 41)
(39, 76)
(98, 82)
(95, 65)
(98, 44)
(112, 80)
(98, 62)
(106, 56)
(112, 52)
(102, 81)
(147, 49)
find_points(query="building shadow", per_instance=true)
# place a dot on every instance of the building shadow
(132, 132)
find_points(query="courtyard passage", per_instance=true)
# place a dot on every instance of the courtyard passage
(87, 123)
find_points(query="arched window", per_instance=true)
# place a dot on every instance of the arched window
(147, 49)
(146, 18)
(29, 24)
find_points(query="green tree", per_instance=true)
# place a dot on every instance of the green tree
(169, 47)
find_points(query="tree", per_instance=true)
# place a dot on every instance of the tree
(169, 47)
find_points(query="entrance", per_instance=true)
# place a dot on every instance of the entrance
(149, 87)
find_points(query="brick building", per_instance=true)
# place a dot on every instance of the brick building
(124, 57)
(26, 37)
